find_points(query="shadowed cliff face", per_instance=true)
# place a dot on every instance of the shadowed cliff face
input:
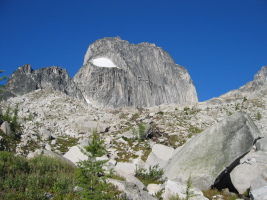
(142, 75)
(25, 80)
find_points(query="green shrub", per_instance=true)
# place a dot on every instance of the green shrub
(153, 175)
(186, 109)
(65, 142)
(160, 113)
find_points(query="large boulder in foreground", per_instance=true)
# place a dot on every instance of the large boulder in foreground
(207, 156)
(251, 173)
(118, 74)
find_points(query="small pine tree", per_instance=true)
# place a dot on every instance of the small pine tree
(7, 116)
(15, 123)
(141, 130)
(96, 148)
(188, 191)
(91, 175)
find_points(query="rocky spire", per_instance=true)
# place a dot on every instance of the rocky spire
(118, 74)
(25, 80)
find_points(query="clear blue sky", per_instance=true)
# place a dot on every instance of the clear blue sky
(222, 43)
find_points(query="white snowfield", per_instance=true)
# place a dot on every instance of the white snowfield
(103, 62)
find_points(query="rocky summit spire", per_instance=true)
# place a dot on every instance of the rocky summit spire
(25, 80)
(118, 74)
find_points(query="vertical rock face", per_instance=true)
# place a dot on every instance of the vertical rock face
(25, 80)
(118, 74)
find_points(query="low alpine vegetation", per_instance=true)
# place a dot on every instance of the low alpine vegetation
(153, 175)
(12, 119)
(35, 178)
(259, 116)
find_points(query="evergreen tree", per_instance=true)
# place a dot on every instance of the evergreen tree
(1, 79)
(90, 173)
(96, 148)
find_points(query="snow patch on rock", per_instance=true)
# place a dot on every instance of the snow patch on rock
(103, 62)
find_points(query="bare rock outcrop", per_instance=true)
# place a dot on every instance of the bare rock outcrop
(159, 155)
(259, 83)
(208, 156)
(117, 74)
(25, 80)
(131, 190)
(5, 127)
(252, 168)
